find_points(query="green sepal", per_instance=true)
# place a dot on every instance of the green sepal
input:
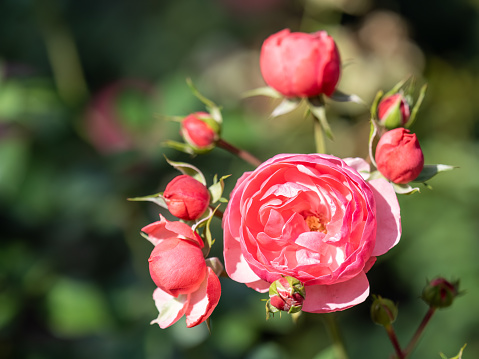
(215, 264)
(383, 311)
(155, 198)
(429, 171)
(458, 356)
(188, 169)
(262, 91)
(399, 87)
(343, 97)
(180, 146)
(374, 106)
(286, 106)
(316, 106)
(212, 108)
(404, 188)
(372, 135)
(415, 109)
(217, 188)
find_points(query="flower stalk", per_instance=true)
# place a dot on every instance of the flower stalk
(244, 155)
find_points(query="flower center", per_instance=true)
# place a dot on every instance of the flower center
(316, 224)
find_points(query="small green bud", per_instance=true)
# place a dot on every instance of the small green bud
(440, 293)
(383, 311)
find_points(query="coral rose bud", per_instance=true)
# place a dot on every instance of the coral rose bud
(383, 311)
(199, 130)
(186, 198)
(286, 294)
(399, 156)
(440, 293)
(393, 111)
(298, 64)
(177, 266)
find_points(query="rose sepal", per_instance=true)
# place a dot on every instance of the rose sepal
(429, 171)
(340, 96)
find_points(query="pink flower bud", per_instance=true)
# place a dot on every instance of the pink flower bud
(186, 198)
(177, 266)
(286, 294)
(399, 156)
(440, 293)
(197, 130)
(299, 64)
(383, 311)
(393, 111)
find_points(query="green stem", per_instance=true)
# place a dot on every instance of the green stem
(244, 155)
(338, 344)
(319, 136)
(419, 332)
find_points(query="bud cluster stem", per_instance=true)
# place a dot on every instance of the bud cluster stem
(244, 155)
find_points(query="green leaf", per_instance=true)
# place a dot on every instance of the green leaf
(155, 198)
(429, 171)
(263, 91)
(418, 103)
(343, 97)
(188, 169)
(216, 189)
(286, 106)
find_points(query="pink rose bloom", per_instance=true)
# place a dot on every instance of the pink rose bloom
(186, 286)
(399, 156)
(298, 64)
(312, 217)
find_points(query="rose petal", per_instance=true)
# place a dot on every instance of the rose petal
(204, 300)
(388, 216)
(171, 309)
(331, 298)
(164, 229)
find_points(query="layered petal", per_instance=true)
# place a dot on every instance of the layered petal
(334, 297)
(170, 309)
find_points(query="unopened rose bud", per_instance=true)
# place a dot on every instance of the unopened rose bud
(200, 131)
(286, 294)
(393, 111)
(186, 198)
(399, 156)
(177, 266)
(299, 64)
(383, 311)
(440, 293)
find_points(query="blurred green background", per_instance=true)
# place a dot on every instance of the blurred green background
(83, 85)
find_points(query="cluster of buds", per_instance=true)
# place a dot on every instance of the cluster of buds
(285, 294)
(398, 155)
(187, 282)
